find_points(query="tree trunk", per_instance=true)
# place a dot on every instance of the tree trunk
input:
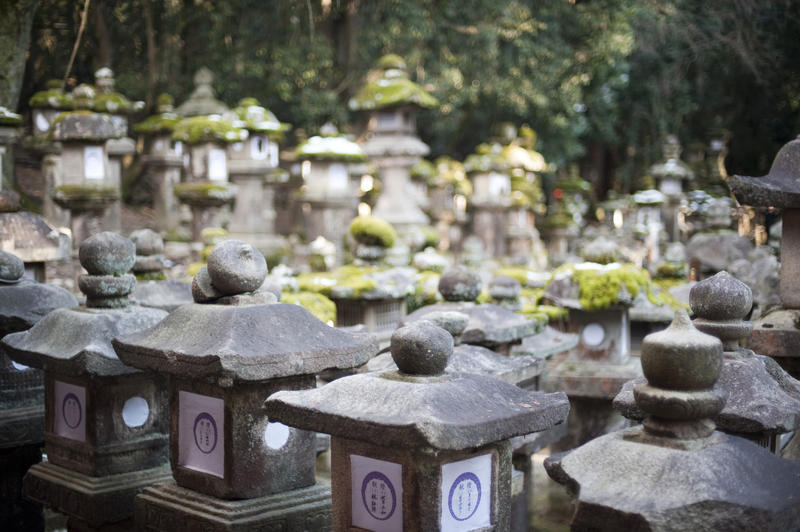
(16, 20)
(104, 45)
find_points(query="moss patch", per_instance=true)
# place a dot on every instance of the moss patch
(112, 102)
(426, 290)
(86, 192)
(203, 190)
(199, 129)
(151, 276)
(349, 280)
(8, 118)
(157, 123)
(391, 92)
(54, 98)
(372, 231)
(317, 304)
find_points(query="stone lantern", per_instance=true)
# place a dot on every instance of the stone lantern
(675, 472)
(592, 373)
(448, 191)
(86, 185)
(10, 129)
(29, 237)
(491, 196)
(105, 434)
(648, 224)
(408, 451)
(565, 212)
(672, 177)
(330, 194)
(489, 325)
(207, 188)
(392, 101)
(763, 400)
(776, 334)
(22, 304)
(152, 287)
(232, 464)
(119, 107)
(253, 168)
(163, 161)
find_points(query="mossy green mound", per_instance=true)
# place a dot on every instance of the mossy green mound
(157, 123)
(54, 97)
(213, 128)
(8, 118)
(348, 280)
(372, 231)
(112, 102)
(391, 92)
(314, 302)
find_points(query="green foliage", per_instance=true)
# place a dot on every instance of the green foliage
(151, 276)
(372, 231)
(426, 290)
(317, 304)
(347, 279)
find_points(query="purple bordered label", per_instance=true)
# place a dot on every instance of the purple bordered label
(205, 432)
(465, 495)
(71, 410)
(378, 495)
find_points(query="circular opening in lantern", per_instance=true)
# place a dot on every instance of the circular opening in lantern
(593, 334)
(276, 435)
(135, 412)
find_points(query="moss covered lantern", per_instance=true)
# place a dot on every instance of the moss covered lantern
(207, 188)
(420, 448)
(253, 168)
(46, 105)
(87, 187)
(227, 352)
(491, 201)
(391, 100)
(105, 431)
(162, 160)
(330, 194)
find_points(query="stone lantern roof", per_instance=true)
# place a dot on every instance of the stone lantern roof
(27, 235)
(8, 118)
(109, 101)
(331, 146)
(647, 198)
(164, 121)
(420, 404)
(53, 97)
(779, 188)
(391, 87)
(83, 124)
(23, 303)
(78, 341)
(591, 286)
(234, 333)
(202, 101)
(259, 119)
(488, 324)
(211, 128)
(487, 158)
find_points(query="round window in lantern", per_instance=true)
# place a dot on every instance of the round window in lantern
(135, 412)
(276, 435)
(593, 334)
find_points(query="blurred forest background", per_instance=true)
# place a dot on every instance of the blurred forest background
(602, 82)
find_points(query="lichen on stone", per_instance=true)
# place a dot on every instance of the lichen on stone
(9, 118)
(331, 148)
(259, 119)
(113, 102)
(347, 280)
(372, 231)
(391, 89)
(199, 190)
(212, 128)
(487, 158)
(314, 302)
(157, 123)
(54, 97)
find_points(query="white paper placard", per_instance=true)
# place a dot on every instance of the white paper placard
(467, 494)
(337, 177)
(273, 154)
(177, 147)
(69, 410)
(201, 433)
(217, 165)
(499, 185)
(41, 122)
(93, 164)
(376, 494)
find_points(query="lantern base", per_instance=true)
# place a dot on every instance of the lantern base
(776, 335)
(89, 502)
(168, 507)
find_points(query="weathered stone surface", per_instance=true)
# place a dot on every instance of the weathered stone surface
(452, 412)
(78, 342)
(779, 188)
(453, 322)
(203, 291)
(243, 343)
(11, 267)
(460, 283)
(721, 297)
(168, 507)
(9, 201)
(504, 287)
(421, 348)
(107, 253)
(727, 483)
(147, 242)
(761, 396)
(489, 325)
(30, 238)
(166, 295)
(544, 344)
(107, 291)
(589, 380)
(235, 267)
(518, 370)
